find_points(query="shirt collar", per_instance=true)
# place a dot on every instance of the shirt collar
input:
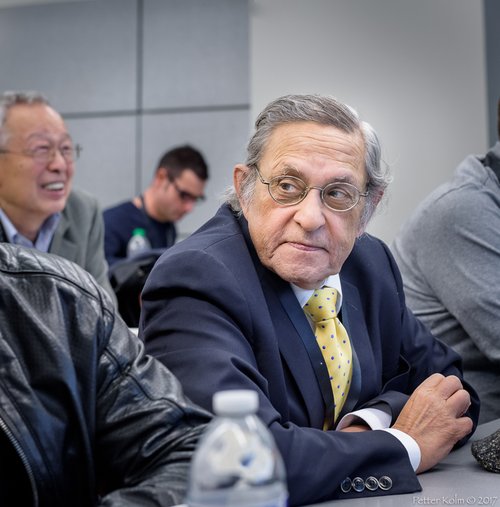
(332, 281)
(45, 234)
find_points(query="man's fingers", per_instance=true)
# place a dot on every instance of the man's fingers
(459, 402)
(444, 387)
(432, 381)
(465, 426)
(449, 386)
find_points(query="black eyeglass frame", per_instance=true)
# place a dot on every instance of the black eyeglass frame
(186, 196)
(305, 192)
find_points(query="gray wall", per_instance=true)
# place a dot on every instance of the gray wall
(414, 69)
(133, 78)
(425, 73)
(492, 20)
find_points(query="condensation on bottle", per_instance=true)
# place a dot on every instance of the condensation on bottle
(237, 462)
(138, 242)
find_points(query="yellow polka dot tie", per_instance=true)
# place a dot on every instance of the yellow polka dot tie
(333, 341)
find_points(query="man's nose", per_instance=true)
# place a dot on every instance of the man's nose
(189, 206)
(57, 161)
(310, 214)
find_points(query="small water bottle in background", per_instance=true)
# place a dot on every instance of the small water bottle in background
(237, 463)
(138, 242)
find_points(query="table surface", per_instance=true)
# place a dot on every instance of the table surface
(457, 480)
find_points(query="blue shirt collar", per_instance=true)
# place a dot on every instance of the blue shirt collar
(43, 239)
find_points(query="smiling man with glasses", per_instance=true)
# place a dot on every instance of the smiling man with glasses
(38, 206)
(284, 293)
(178, 184)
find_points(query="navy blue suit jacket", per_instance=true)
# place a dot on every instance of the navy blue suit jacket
(220, 320)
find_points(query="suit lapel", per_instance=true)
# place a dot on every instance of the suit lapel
(364, 372)
(298, 348)
(61, 244)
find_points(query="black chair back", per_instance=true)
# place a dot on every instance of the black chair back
(127, 278)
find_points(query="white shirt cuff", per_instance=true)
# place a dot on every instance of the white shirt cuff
(410, 445)
(377, 419)
(374, 417)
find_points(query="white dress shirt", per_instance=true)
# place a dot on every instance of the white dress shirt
(375, 418)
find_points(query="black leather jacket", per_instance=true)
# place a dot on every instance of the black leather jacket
(93, 420)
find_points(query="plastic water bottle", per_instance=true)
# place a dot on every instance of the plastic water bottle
(138, 242)
(237, 463)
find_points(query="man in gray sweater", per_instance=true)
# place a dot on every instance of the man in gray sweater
(449, 256)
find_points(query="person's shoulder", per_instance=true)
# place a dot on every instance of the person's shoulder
(219, 243)
(80, 197)
(368, 245)
(119, 209)
(81, 207)
(371, 267)
(368, 254)
(469, 182)
(223, 226)
(464, 196)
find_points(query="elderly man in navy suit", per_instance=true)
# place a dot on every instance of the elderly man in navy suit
(360, 400)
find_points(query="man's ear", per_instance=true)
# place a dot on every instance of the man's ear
(376, 201)
(240, 173)
(161, 178)
(162, 173)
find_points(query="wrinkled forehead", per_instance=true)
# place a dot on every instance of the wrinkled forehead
(310, 140)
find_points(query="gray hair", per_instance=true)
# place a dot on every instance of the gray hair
(13, 98)
(324, 110)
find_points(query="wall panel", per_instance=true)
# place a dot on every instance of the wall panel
(133, 78)
(81, 55)
(107, 164)
(195, 53)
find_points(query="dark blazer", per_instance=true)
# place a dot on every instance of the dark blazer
(220, 320)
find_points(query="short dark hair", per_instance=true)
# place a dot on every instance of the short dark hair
(181, 158)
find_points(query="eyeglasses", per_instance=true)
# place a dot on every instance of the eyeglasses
(289, 190)
(46, 153)
(186, 196)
